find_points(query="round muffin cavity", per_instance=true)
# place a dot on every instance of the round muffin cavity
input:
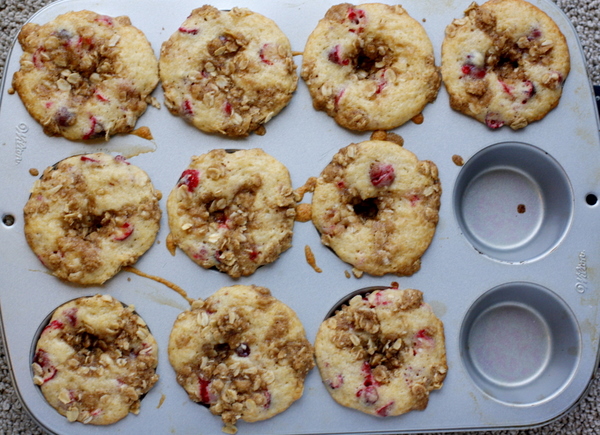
(370, 66)
(504, 63)
(376, 205)
(84, 75)
(382, 353)
(232, 211)
(242, 353)
(95, 360)
(89, 215)
(227, 72)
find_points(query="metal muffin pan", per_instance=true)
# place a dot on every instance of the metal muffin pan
(511, 271)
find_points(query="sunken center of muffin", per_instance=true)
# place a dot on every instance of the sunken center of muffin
(372, 56)
(366, 209)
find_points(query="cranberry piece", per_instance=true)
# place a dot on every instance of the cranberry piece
(382, 174)
(528, 90)
(379, 300)
(105, 19)
(368, 394)
(492, 121)
(473, 71)
(423, 340)
(506, 88)
(201, 255)
(423, 335)
(71, 315)
(356, 15)
(121, 159)
(227, 108)
(336, 382)
(64, 117)
(358, 18)
(243, 350)
(124, 232)
(368, 374)
(414, 199)
(267, 404)
(55, 324)
(189, 178)
(265, 50)
(384, 410)
(37, 58)
(187, 108)
(535, 34)
(253, 255)
(49, 371)
(335, 56)
(89, 159)
(92, 131)
(338, 97)
(204, 394)
(188, 31)
(380, 85)
(100, 96)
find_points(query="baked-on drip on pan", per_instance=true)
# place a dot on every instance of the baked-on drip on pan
(95, 360)
(227, 72)
(382, 353)
(233, 211)
(370, 67)
(84, 75)
(504, 63)
(376, 205)
(89, 215)
(242, 353)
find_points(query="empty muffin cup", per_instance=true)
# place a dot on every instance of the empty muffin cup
(513, 202)
(520, 343)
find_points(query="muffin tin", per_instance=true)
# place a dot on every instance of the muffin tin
(512, 270)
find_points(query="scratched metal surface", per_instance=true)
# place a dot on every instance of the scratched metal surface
(454, 275)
